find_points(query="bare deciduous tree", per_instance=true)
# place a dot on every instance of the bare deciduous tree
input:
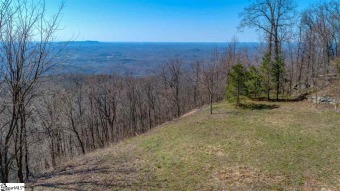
(26, 53)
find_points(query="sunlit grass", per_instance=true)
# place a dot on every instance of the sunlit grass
(291, 146)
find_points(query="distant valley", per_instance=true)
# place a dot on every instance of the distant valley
(137, 59)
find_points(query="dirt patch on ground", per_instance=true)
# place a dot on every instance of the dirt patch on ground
(244, 178)
(249, 178)
(190, 113)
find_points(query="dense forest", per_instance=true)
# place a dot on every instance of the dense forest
(47, 119)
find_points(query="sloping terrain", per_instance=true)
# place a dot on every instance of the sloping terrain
(333, 89)
(268, 146)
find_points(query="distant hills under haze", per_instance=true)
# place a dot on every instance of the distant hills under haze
(131, 58)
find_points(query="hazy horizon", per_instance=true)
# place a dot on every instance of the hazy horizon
(135, 58)
(219, 42)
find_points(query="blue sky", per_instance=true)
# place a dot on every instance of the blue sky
(154, 20)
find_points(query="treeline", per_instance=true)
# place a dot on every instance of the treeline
(69, 115)
(82, 113)
(318, 43)
(300, 47)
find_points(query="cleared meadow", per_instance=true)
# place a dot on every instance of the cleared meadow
(265, 146)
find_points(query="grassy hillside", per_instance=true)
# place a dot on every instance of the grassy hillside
(286, 146)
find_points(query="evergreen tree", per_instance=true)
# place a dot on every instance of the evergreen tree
(254, 82)
(237, 86)
(266, 70)
(278, 70)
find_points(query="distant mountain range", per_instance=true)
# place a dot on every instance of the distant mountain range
(93, 57)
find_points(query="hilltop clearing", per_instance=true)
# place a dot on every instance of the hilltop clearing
(268, 146)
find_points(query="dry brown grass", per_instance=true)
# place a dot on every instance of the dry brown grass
(244, 178)
(114, 168)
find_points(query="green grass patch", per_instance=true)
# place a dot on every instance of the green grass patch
(281, 146)
(262, 146)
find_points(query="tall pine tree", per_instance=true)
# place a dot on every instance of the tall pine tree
(254, 82)
(278, 70)
(237, 86)
(266, 70)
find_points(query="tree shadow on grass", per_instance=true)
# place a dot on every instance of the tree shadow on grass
(257, 106)
(121, 172)
(296, 99)
(99, 178)
(224, 112)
